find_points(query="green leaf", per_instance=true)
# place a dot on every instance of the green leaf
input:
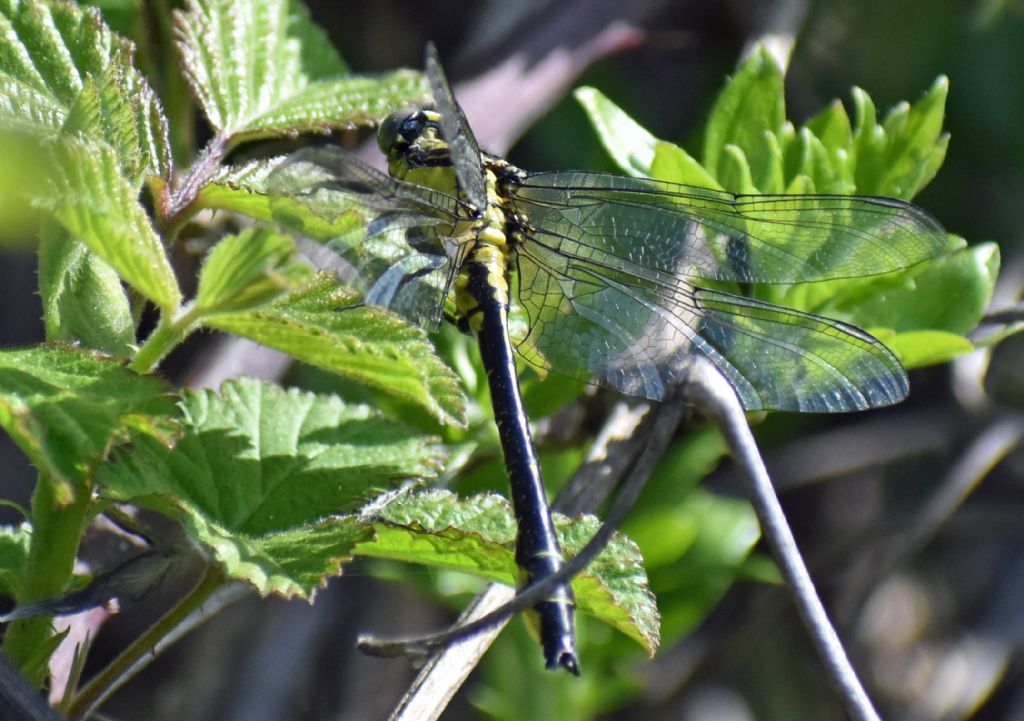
(321, 325)
(675, 165)
(290, 563)
(751, 104)
(291, 79)
(263, 477)
(917, 348)
(900, 157)
(243, 189)
(62, 71)
(67, 407)
(83, 299)
(832, 127)
(704, 547)
(630, 145)
(14, 543)
(734, 171)
(93, 200)
(247, 270)
(477, 536)
(948, 293)
(917, 145)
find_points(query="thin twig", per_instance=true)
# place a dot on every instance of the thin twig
(713, 396)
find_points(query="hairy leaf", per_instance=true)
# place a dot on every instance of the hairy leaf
(96, 204)
(477, 535)
(62, 71)
(321, 325)
(265, 478)
(291, 79)
(66, 408)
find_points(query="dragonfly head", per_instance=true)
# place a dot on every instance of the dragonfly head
(416, 150)
(408, 130)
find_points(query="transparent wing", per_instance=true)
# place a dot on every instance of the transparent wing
(607, 271)
(462, 145)
(388, 239)
(651, 228)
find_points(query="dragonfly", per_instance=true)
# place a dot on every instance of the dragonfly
(619, 280)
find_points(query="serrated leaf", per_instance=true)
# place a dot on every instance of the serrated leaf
(63, 71)
(290, 563)
(247, 270)
(477, 536)
(83, 298)
(242, 189)
(321, 325)
(630, 145)
(751, 103)
(283, 86)
(264, 476)
(66, 407)
(91, 198)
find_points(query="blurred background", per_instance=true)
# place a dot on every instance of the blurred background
(911, 518)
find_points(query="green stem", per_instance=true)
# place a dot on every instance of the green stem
(59, 516)
(104, 683)
(162, 341)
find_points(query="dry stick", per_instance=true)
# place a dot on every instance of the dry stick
(711, 393)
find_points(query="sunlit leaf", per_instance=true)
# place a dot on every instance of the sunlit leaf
(247, 270)
(63, 71)
(291, 79)
(630, 145)
(93, 200)
(266, 477)
(477, 536)
(751, 104)
(66, 407)
(322, 325)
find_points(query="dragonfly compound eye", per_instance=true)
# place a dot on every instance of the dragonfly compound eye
(400, 129)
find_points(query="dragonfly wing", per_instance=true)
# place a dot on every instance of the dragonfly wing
(384, 237)
(462, 145)
(639, 338)
(789, 360)
(654, 228)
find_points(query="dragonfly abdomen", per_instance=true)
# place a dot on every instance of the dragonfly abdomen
(537, 552)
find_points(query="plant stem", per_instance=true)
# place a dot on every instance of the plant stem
(161, 341)
(58, 521)
(104, 683)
